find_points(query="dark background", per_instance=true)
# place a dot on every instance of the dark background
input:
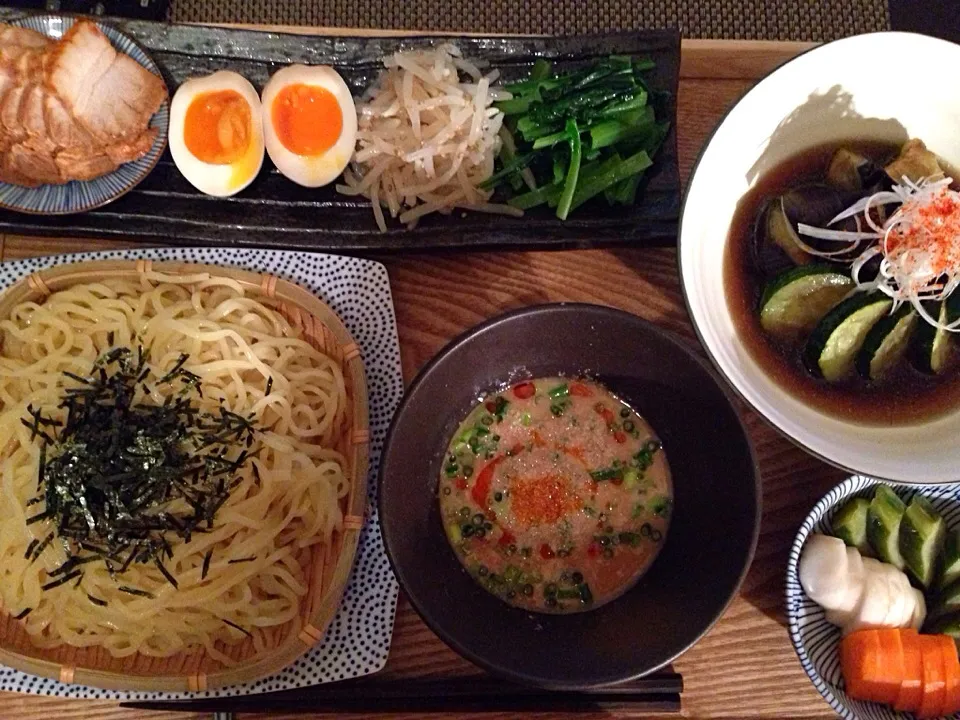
(142, 9)
(809, 20)
(931, 17)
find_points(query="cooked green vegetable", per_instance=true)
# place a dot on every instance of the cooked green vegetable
(834, 343)
(950, 559)
(948, 624)
(886, 343)
(883, 525)
(573, 170)
(850, 524)
(797, 299)
(932, 349)
(947, 602)
(567, 127)
(922, 533)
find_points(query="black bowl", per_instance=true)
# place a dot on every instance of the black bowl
(712, 534)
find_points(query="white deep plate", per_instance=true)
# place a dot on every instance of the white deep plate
(816, 641)
(358, 639)
(883, 86)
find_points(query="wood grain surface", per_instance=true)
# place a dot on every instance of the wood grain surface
(745, 667)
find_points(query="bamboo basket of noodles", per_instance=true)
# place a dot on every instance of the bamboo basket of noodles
(324, 566)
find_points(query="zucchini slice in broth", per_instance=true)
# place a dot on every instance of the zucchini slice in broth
(932, 350)
(887, 343)
(796, 300)
(833, 345)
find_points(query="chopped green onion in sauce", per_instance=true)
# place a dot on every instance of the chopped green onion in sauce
(541, 506)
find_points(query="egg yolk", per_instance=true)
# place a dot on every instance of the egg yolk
(307, 118)
(217, 128)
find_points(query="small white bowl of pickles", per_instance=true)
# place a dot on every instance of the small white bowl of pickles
(873, 599)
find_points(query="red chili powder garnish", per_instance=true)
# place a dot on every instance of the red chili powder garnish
(576, 452)
(932, 225)
(543, 499)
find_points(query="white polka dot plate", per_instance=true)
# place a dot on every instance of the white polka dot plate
(358, 639)
(80, 196)
(816, 641)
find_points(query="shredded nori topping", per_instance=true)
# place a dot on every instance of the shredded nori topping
(135, 591)
(237, 627)
(62, 580)
(121, 478)
(206, 564)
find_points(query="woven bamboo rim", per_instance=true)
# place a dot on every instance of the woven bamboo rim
(327, 567)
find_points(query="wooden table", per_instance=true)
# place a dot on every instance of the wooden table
(745, 667)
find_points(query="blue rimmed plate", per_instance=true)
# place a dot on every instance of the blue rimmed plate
(816, 641)
(79, 196)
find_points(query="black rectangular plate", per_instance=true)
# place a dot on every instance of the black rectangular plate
(274, 212)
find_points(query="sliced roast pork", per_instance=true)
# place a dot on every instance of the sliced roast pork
(109, 93)
(71, 110)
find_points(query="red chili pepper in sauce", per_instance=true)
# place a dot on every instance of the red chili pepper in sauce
(620, 436)
(545, 552)
(461, 483)
(580, 390)
(482, 487)
(507, 538)
(524, 390)
(593, 549)
(490, 405)
(604, 412)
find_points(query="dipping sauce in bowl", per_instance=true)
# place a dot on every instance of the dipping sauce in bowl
(555, 495)
(699, 560)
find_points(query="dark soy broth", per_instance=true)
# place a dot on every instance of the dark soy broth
(908, 396)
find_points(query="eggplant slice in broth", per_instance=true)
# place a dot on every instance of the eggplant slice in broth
(777, 244)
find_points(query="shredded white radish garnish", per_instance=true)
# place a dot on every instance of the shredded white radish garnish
(919, 244)
(426, 139)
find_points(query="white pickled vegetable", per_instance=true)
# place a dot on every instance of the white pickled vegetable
(823, 571)
(900, 609)
(858, 593)
(846, 605)
(909, 609)
(920, 611)
(856, 572)
(875, 602)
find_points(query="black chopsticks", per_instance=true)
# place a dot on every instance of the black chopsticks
(657, 693)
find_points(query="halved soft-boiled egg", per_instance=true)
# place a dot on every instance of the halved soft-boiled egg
(310, 123)
(216, 132)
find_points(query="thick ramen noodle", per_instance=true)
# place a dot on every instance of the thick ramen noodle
(555, 495)
(220, 354)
